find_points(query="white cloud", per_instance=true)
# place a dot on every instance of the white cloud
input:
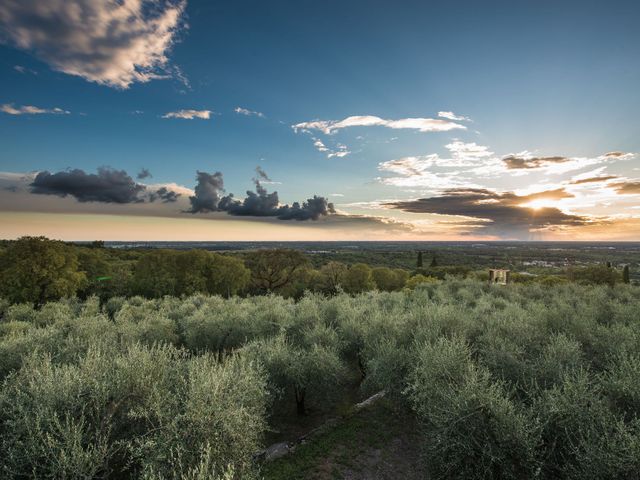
(453, 116)
(340, 153)
(107, 42)
(189, 114)
(31, 110)
(24, 70)
(466, 154)
(329, 127)
(342, 150)
(416, 172)
(321, 147)
(247, 112)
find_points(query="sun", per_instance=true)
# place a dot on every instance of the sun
(539, 203)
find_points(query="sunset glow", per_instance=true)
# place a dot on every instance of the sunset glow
(193, 119)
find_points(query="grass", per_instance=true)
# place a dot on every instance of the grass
(378, 442)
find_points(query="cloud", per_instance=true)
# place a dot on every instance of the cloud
(24, 70)
(264, 204)
(630, 187)
(321, 147)
(513, 162)
(164, 195)
(107, 42)
(599, 179)
(210, 187)
(503, 214)
(107, 186)
(340, 152)
(247, 112)
(453, 116)
(262, 175)
(417, 171)
(207, 194)
(525, 162)
(329, 127)
(143, 173)
(468, 153)
(31, 110)
(189, 114)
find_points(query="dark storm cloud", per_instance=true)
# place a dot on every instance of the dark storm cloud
(107, 186)
(514, 162)
(312, 209)
(502, 214)
(208, 191)
(627, 188)
(264, 204)
(144, 173)
(164, 195)
(258, 203)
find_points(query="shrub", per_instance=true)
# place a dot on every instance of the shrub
(471, 426)
(582, 437)
(131, 414)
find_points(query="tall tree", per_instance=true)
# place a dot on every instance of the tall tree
(434, 262)
(36, 269)
(332, 274)
(275, 269)
(419, 262)
(626, 277)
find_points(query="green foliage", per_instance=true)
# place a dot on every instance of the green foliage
(595, 275)
(274, 270)
(522, 381)
(131, 413)
(34, 269)
(583, 436)
(473, 428)
(388, 279)
(333, 273)
(164, 272)
(358, 278)
(419, 279)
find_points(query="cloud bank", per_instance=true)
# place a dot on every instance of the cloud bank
(502, 214)
(106, 186)
(208, 197)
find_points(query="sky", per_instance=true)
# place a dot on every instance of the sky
(333, 120)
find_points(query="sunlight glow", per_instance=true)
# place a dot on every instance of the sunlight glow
(539, 203)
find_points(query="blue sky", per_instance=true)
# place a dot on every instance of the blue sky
(536, 80)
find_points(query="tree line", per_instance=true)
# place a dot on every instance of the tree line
(37, 270)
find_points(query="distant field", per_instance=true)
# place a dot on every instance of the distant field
(522, 256)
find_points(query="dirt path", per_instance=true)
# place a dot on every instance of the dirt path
(377, 443)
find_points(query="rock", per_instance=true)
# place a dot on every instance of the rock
(276, 450)
(369, 401)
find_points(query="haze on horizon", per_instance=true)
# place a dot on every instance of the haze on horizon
(359, 120)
